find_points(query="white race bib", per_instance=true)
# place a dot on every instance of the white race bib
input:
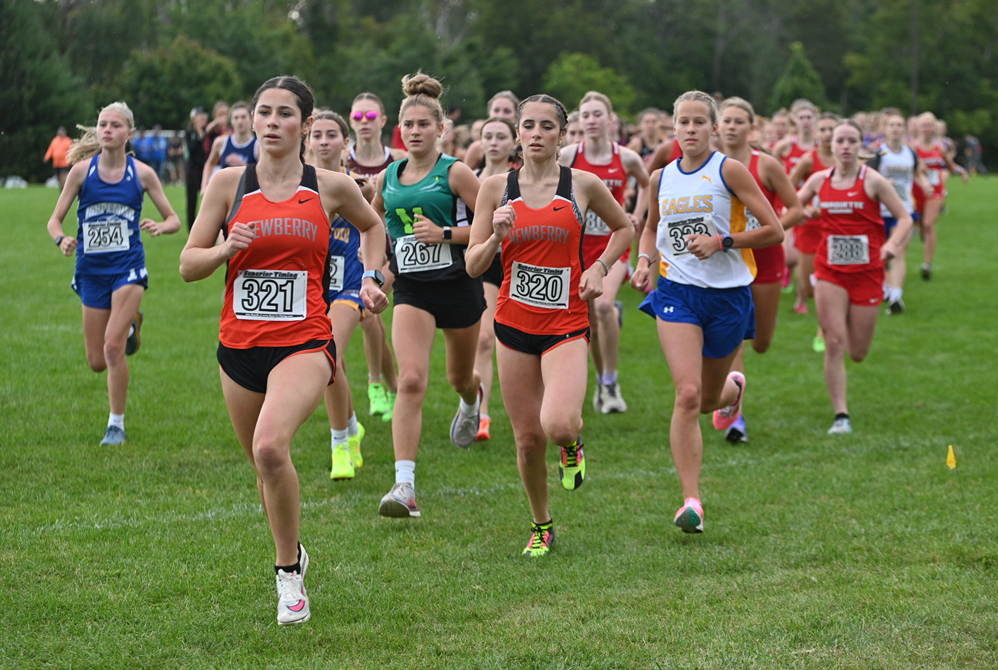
(540, 287)
(935, 177)
(675, 233)
(101, 237)
(848, 250)
(415, 256)
(751, 223)
(596, 225)
(337, 272)
(270, 295)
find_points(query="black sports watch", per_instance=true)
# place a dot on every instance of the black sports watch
(728, 242)
(376, 275)
(448, 234)
(58, 240)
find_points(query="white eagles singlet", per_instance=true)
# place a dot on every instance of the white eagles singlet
(700, 203)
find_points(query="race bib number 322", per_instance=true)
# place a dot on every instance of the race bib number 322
(270, 295)
(676, 233)
(541, 287)
(101, 237)
(848, 250)
(416, 256)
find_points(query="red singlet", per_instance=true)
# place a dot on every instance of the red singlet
(542, 264)
(807, 233)
(277, 290)
(615, 177)
(852, 234)
(935, 164)
(770, 262)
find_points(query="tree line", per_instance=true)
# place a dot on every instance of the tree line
(61, 60)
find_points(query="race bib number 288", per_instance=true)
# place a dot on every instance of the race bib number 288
(848, 250)
(539, 286)
(270, 295)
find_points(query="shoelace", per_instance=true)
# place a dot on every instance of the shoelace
(289, 587)
(537, 539)
(571, 455)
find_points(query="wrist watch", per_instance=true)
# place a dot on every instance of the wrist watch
(728, 242)
(448, 234)
(58, 240)
(378, 278)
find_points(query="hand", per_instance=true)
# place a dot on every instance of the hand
(701, 246)
(591, 283)
(374, 298)
(366, 188)
(812, 212)
(888, 251)
(240, 237)
(151, 227)
(68, 246)
(635, 221)
(426, 231)
(964, 174)
(639, 279)
(502, 221)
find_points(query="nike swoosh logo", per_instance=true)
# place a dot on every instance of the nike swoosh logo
(611, 171)
(298, 607)
(302, 202)
(559, 208)
(852, 194)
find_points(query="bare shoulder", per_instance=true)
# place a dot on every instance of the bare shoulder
(568, 152)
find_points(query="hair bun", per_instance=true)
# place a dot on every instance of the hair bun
(422, 84)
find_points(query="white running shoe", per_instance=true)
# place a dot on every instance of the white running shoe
(292, 603)
(400, 502)
(841, 426)
(464, 428)
(613, 402)
(598, 397)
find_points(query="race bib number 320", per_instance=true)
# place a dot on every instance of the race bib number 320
(541, 287)
(848, 250)
(270, 295)
(415, 256)
(676, 232)
(101, 237)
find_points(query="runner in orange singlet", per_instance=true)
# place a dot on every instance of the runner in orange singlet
(275, 342)
(542, 319)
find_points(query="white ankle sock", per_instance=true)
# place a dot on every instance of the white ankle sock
(339, 437)
(467, 409)
(405, 472)
(116, 420)
(352, 428)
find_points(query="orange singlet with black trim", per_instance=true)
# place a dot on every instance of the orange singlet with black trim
(277, 290)
(542, 263)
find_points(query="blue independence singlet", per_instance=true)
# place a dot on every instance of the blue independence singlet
(109, 238)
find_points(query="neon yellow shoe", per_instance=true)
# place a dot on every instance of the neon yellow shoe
(355, 455)
(572, 467)
(342, 463)
(377, 399)
(541, 539)
(387, 416)
(818, 344)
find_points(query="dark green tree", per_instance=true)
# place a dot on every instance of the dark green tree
(571, 76)
(38, 92)
(799, 80)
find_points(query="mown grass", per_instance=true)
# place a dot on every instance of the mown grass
(862, 551)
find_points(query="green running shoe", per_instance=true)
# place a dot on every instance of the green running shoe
(377, 399)
(355, 455)
(342, 463)
(387, 416)
(541, 539)
(818, 345)
(572, 468)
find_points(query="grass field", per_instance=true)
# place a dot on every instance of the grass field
(859, 551)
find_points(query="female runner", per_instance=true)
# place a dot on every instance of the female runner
(503, 105)
(703, 305)
(368, 158)
(574, 133)
(930, 149)
(239, 148)
(737, 119)
(902, 167)
(327, 139)
(499, 142)
(542, 321)
(110, 275)
(790, 150)
(275, 345)
(849, 265)
(419, 198)
(613, 164)
(644, 142)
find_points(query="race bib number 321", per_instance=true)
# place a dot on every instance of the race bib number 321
(541, 287)
(270, 295)
(101, 237)
(416, 256)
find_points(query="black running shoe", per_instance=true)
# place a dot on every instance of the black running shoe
(132, 345)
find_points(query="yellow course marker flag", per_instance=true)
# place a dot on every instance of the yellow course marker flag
(951, 459)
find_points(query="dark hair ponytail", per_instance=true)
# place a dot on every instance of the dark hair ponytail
(303, 96)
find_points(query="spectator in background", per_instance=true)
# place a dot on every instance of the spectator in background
(156, 144)
(218, 126)
(140, 145)
(197, 155)
(58, 149)
(175, 158)
(971, 153)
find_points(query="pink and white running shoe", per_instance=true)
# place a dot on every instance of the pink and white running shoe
(724, 417)
(689, 517)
